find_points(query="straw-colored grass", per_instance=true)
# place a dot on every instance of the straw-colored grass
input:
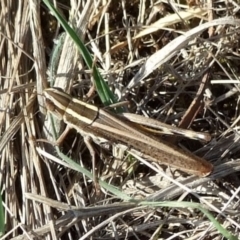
(171, 61)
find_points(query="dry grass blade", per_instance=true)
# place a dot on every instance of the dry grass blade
(165, 22)
(84, 212)
(16, 123)
(166, 53)
(174, 62)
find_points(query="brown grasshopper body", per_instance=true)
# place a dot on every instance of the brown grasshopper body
(92, 121)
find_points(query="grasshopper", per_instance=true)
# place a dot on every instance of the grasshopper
(130, 130)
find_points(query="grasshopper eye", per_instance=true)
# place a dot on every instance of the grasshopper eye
(50, 105)
(56, 101)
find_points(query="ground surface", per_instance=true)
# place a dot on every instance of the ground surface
(175, 62)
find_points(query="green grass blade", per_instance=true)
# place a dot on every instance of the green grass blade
(198, 206)
(102, 88)
(110, 188)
